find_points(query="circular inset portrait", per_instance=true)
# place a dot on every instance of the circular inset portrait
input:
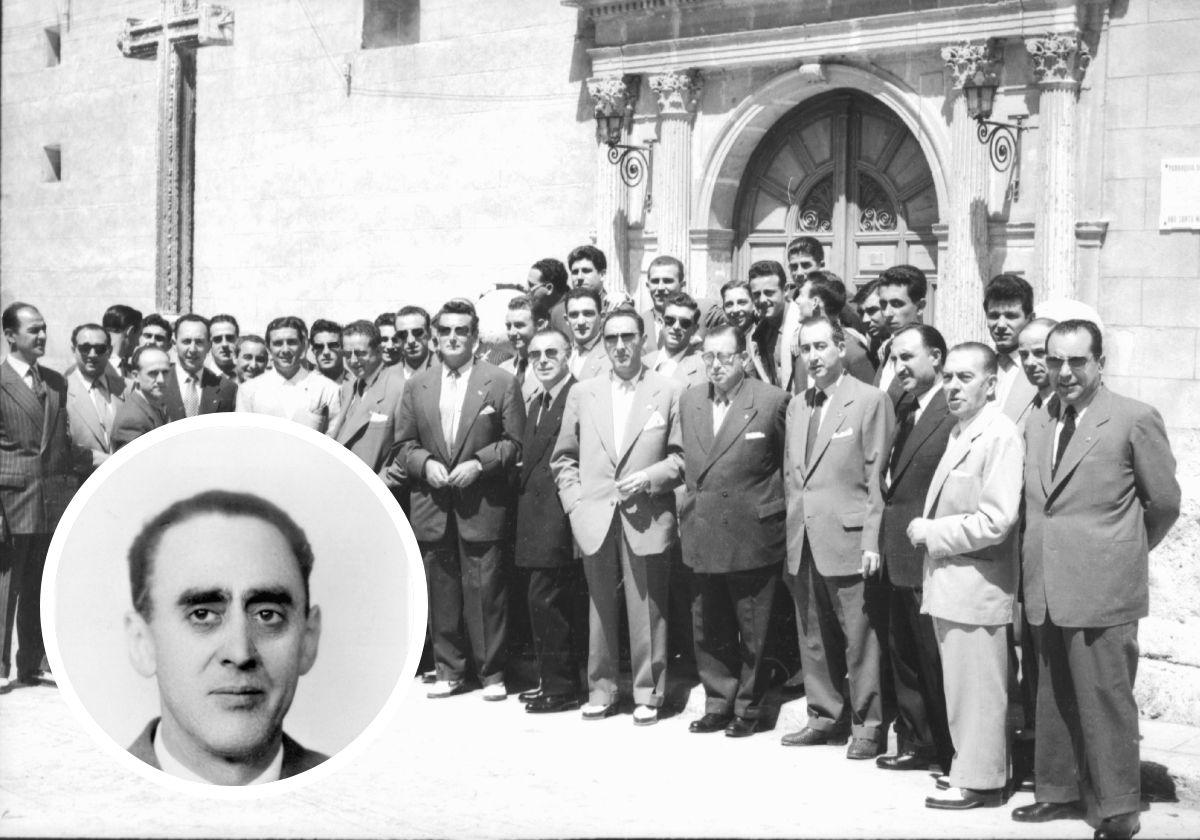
(232, 600)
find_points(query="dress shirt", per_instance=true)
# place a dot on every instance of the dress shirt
(666, 365)
(622, 403)
(24, 370)
(98, 393)
(1058, 426)
(1008, 371)
(887, 371)
(454, 394)
(184, 378)
(575, 363)
(721, 405)
(174, 767)
(308, 398)
(828, 396)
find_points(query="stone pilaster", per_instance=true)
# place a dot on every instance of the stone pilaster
(678, 95)
(612, 95)
(1058, 65)
(959, 313)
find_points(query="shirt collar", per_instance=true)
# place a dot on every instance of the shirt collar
(183, 374)
(463, 372)
(173, 766)
(100, 383)
(731, 396)
(556, 389)
(833, 386)
(626, 384)
(19, 365)
(984, 416)
(924, 400)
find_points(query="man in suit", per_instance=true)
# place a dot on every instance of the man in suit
(970, 576)
(823, 293)
(837, 442)
(679, 356)
(461, 427)
(617, 460)
(1008, 307)
(326, 347)
(1100, 493)
(733, 528)
(664, 280)
(223, 620)
(223, 332)
(414, 337)
(588, 356)
(37, 478)
(192, 389)
(123, 324)
(923, 426)
(901, 290)
(143, 409)
(520, 323)
(770, 344)
(369, 399)
(95, 391)
(548, 285)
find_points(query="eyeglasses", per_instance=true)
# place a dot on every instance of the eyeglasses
(355, 354)
(612, 339)
(576, 314)
(332, 345)
(671, 320)
(724, 359)
(227, 338)
(1073, 362)
(551, 353)
(461, 332)
(93, 349)
(402, 335)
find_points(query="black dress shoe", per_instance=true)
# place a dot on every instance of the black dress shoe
(861, 749)
(531, 694)
(711, 722)
(907, 760)
(546, 703)
(1047, 811)
(741, 727)
(962, 799)
(1119, 827)
(30, 678)
(810, 737)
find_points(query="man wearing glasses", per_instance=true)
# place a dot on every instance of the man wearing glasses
(412, 338)
(223, 332)
(327, 350)
(94, 393)
(679, 358)
(369, 397)
(617, 459)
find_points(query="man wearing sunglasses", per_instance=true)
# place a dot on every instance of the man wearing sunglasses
(94, 393)
(326, 347)
(413, 339)
(223, 333)
(679, 356)
(664, 280)
(369, 398)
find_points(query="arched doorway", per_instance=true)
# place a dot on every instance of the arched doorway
(845, 169)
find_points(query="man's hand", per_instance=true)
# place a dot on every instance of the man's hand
(633, 483)
(435, 474)
(917, 532)
(870, 563)
(464, 474)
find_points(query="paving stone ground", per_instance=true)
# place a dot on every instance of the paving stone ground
(463, 767)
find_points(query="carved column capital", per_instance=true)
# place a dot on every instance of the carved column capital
(678, 91)
(977, 63)
(1058, 58)
(612, 95)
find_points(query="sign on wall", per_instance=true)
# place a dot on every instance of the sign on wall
(1179, 203)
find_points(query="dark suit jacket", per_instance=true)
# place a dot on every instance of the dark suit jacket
(296, 759)
(904, 496)
(217, 393)
(134, 418)
(543, 529)
(368, 427)
(37, 459)
(733, 516)
(1090, 525)
(490, 430)
(894, 390)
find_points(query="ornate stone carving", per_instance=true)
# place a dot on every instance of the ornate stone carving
(976, 63)
(1058, 58)
(612, 95)
(678, 91)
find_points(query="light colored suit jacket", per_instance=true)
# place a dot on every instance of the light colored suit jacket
(530, 384)
(1020, 399)
(596, 363)
(367, 426)
(82, 418)
(973, 504)
(688, 372)
(835, 501)
(587, 465)
(1090, 524)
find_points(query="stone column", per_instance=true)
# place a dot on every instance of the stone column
(1058, 65)
(678, 95)
(959, 313)
(613, 95)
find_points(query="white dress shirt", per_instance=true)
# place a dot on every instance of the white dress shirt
(184, 378)
(720, 409)
(1058, 426)
(308, 397)
(622, 403)
(25, 371)
(174, 767)
(887, 371)
(454, 393)
(578, 355)
(1006, 376)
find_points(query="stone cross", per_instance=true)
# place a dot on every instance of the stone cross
(181, 27)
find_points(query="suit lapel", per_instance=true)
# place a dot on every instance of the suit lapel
(639, 413)
(602, 416)
(741, 412)
(931, 418)
(956, 450)
(544, 424)
(54, 404)
(702, 422)
(835, 416)
(86, 409)
(476, 385)
(1087, 435)
(433, 413)
(22, 394)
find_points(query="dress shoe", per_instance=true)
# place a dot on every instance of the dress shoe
(961, 799)
(1119, 827)
(444, 688)
(645, 715)
(530, 695)
(546, 703)
(1047, 811)
(711, 722)
(596, 711)
(495, 691)
(810, 737)
(741, 727)
(907, 760)
(862, 748)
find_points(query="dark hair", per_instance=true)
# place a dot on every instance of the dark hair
(138, 352)
(667, 259)
(768, 268)
(828, 288)
(156, 320)
(224, 318)
(807, 245)
(835, 326)
(362, 327)
(590, 292)
(930, 337)
(991, 365)
(864, 291)
(11, 319)
(1004, 288)
(249, 337)
(554, 331)
(224, 503)
(405, 311)
(728, 329)
(734, 284)
(89, 326)
(520, 302)
(288, 322)
(384, 319)
(624, 311)
(1075, 325)
(590, 253)
(908, 276)
(458, 306)
(120, 317)
(554, 273)
(326, 325)
(684, 299)
(191, 318)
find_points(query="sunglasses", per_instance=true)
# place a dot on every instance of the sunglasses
(355, 354)
(402, 335)
(612, 339)
(725, 359)
(93, 349)
(671, 320)
(332, 345)
(575, 315)
(224, 339)
(461, 332)
(551, 353)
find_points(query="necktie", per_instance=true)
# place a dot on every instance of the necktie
(906, 416)
(35, 382)
(543, 410)
(101, 410)
(191, 397)
(449, 405)
(1068, 429)
(816, 399)
(522, 365)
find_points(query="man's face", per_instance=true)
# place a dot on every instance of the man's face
(767, 294)
(91, 352)
(455, 338)
(1074, 372)
(153, 368)
(679, 325)
(916, 366)
(154, 335)
(361, 358)
(327, 350)
(809, 303)
(390, 346)
(872, 313)
(739, 308)
(28, 340)
(412, 337)
(518, 323)
(229, 636)
(799, 264)
(191, 345)
(967, 386)
(623, 344)
(287, 350)
(548, 355)
(584, 319)
(251, 360)
(535, 283)
(584, 273)
(663, 281)
(1031, 349)
(897, 308)
(821, 354)
(224, 336)
(723, 362)
(1005, 320)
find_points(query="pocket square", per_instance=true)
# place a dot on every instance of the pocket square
(487, 409)
(376, 417)
(754, 435)
(656, 421)
(845, 433)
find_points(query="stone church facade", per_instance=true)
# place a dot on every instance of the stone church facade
(338, 158)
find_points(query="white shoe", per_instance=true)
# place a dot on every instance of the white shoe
(443, 688)
(645, 715)
(495, 691)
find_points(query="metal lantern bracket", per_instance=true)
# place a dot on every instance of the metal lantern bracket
(1003, 141)
(634, 163)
